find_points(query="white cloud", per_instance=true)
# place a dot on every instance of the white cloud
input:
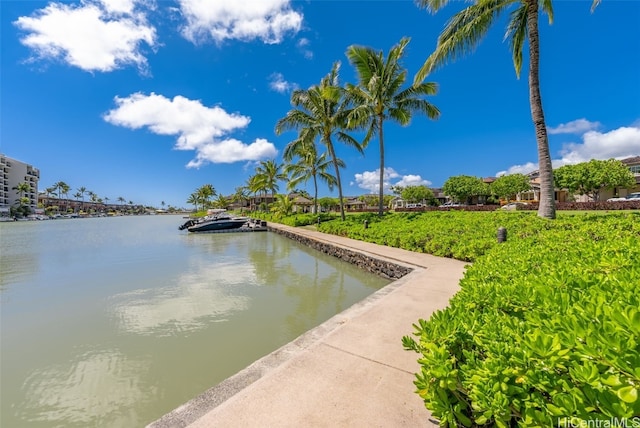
(198, 127)
(302, 45)
(578, 126)
(619, 144)
(370, 180)
(519, 169)
(278, 84)
(94, 36)
(246, 20)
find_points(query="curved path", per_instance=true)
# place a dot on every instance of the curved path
(351, 371)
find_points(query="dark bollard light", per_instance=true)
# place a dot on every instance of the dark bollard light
(366, 224)
(502, 234)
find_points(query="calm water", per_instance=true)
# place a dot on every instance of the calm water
(113, 322)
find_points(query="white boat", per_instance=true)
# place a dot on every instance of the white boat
(217, 219)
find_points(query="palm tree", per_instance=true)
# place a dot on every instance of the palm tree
(464, 32)
(63, 189)
(21, 189)
(82, 190)
(379, 95)
(309, 165)
(255, 185)
(240, 195)
(205, 193)
(282, 206)
(193, 199)
(77, 195)
(221, 201)
(270, 173)
(321, 112)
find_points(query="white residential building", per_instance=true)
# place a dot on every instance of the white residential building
(12, 173)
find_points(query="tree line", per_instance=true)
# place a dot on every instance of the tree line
(329, 112)
(587, 178)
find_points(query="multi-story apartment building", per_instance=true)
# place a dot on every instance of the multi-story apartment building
(12, 173)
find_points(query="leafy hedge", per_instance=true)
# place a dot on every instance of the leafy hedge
(545, 330)
(456, 234)
(294, 220)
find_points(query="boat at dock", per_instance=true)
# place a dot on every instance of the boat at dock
(217, 219)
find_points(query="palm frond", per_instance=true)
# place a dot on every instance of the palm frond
(462, 34)
(432, 6)
(517, 34)
(547, 7)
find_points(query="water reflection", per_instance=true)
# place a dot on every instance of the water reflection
(202, 295)
(97, 388)
(116, 321)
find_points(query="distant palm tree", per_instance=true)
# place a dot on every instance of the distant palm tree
(193, 199)
(63, 190)
(241, 195)
(82, 190)
(379, 96)
(77, 195)
(309, 166)
(462, 35)
(221, 202)
(256, 185)
(321, 112)
(205, 193)
(282, 206)
(21, 189)
(270, 173)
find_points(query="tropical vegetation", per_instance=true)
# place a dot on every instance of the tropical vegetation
(463, 33)
(589, 178)
(379, 96)
(545, 330)
(320, 113)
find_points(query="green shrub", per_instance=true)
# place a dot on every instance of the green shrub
(457, 234)
(295, 220)
(544, 332)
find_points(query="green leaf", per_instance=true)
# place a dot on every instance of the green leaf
(628, 394)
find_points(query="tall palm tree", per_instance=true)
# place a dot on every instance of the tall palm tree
(465, 31)
(379, 95)
(321, 112)
(21, 189)
(205, 193)
(256, 185)
(309, 166)
(62, 189)
(240, 195)
(271, 173)
(193, 199)
(82, 190)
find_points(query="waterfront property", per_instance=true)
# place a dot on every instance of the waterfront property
(12, 173)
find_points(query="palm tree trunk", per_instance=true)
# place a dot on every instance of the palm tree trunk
(381, 189)
(332, 153)
(315, 195)
(547, 207)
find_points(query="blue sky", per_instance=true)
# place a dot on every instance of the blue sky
(148, 100)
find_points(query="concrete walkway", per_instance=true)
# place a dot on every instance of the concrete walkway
(350, 371)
